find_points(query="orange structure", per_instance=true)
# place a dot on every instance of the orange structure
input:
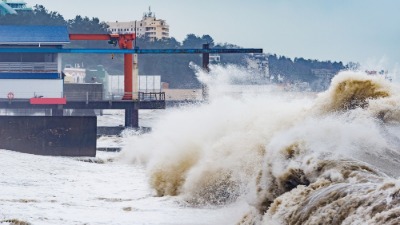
(125, 41)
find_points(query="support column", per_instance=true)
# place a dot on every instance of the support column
(206, 62)
(132, 117)
(57, 111)
(128, 71)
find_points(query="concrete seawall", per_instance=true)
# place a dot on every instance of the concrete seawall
(46, 135)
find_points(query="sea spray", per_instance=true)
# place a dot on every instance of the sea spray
(192, 149)
(352, 90)
(209, 153)
(338, 165)
(297, 159)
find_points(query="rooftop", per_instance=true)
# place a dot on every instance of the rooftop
(34, 35)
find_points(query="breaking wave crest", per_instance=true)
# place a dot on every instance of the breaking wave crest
(353, 90)
(296, 158)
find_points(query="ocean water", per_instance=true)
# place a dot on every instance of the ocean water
(251, 155)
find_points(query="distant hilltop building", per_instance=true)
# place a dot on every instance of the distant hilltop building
(324, 73)
(259, 62)
(382, 73)
(74, 74)
(13, 7)
(149, 26)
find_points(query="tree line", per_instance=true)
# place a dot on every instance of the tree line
(174, 68)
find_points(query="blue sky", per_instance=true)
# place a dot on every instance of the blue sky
(365, 31)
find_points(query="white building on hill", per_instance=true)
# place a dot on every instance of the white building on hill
(149, 26)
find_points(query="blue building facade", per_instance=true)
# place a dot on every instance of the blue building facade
(30, 72)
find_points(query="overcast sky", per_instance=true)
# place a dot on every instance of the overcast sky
(365, 31)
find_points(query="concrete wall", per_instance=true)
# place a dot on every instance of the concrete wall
(80, 92)
(183, 94)
(45, 135)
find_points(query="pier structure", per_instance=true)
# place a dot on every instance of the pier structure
(31, 78)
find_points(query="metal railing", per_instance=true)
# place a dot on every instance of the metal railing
(140, 96)
(152, 96)
(85, 96)
(28, 67)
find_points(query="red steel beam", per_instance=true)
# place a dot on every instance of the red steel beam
(92, 37)
(48, 101)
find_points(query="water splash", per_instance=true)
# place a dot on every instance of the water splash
(351, 90)
(335, 166)
(297, 159)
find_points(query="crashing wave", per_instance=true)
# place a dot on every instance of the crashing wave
(348, 174)
(329, 160)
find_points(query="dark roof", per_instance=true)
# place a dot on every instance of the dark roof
(44, 35)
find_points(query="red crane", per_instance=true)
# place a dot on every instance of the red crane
(125, 41)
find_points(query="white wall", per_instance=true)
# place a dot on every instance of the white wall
(146, 83)
(28, 88)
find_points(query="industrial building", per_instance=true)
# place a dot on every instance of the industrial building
(27, 75)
